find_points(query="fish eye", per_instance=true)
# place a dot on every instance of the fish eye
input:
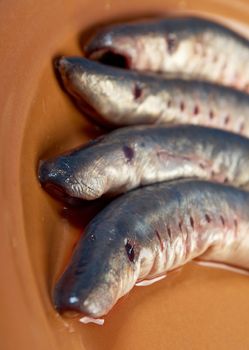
(130, 251)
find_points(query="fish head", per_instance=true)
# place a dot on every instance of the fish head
(70, 176)
(96, 88)
(103, 269)
(113, 47)
(80, 79)
(154, 45)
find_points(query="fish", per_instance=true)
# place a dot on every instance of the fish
(130, 157)
(148, 232)
(116, 97)
(201, 48)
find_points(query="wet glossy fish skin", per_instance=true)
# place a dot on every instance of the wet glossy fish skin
(196, 46)
(117, 97)
(165, 226)
(134, 156)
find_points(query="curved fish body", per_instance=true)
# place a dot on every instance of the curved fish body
(149, 231)
(118, 97)
(135, 156)
(198, 47)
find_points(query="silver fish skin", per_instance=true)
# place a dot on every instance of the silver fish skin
(118, 97)
(195, 46)
(149, 231)
(131, 157)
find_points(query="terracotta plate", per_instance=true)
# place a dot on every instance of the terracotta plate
(196, 308)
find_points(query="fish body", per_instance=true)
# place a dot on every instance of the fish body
(194, 46)
(136, 156)
(118, 97)
(149, 231)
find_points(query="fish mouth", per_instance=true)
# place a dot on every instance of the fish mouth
(55, 190)
(65, 188)
(82, 317)
(110, 57)
(59, 193)
(93, 305)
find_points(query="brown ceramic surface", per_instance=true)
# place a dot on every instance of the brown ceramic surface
(197, 308)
